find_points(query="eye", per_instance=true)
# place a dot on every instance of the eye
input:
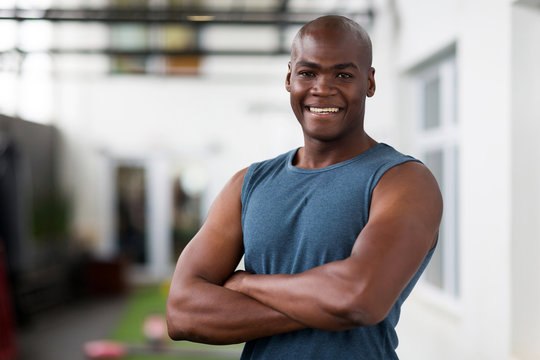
(344, 76)
(305, 73)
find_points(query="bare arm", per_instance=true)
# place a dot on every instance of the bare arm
(199, 308)
(404, 218)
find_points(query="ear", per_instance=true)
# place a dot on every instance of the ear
(371, 82)
(288, 78)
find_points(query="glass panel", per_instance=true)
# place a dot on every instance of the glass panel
(454, 85)
(35, 35)
(434, 271)
(129, 3)
(35, 100)
(8, 40)
(128, 64)
(432, 106)
(456, 222)
(72, 35)
(8, 92)
(177, 37)
(434, 160)
(127, 36)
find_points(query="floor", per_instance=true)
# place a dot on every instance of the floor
(60, 333)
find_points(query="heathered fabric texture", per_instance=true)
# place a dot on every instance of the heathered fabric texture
(294, 219)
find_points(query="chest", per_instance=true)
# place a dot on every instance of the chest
(294, 225)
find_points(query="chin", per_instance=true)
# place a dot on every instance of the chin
(321, 137)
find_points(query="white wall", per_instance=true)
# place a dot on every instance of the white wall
(379, 117)
(424, 27)
(478, 325)
(235, 113)
(484, 112)
(526, 182)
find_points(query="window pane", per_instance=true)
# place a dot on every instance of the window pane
(431, 111)
(456, 264)
(434, 161)
(434, 272)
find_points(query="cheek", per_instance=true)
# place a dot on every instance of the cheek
(301, 90)
(295, 95)
(296, 106)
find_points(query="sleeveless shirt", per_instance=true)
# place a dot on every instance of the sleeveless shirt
(294, 219)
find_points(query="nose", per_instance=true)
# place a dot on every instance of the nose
(323, 86)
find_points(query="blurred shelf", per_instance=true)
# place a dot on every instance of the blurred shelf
(170, 32)
(145, 53)
(192, 16)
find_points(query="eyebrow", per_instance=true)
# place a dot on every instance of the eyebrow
(313, 65)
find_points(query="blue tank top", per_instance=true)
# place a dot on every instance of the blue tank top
(295, 219)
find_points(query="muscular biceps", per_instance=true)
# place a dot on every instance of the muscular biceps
(404, 217)
(199, 308)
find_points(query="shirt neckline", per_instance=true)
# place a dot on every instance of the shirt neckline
(293, 168)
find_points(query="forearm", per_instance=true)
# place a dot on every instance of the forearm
(212, 314)
(339, 295)
(360, 290)
(322, 298)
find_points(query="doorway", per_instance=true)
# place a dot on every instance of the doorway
(131, 215)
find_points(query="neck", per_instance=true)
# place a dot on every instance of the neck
(317, 154)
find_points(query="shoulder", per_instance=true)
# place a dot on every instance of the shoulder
(234, 186)
(387, 157)
(409, 191)
(409, 174)
(380, 160)
(410, 177)
(243, 177)
(260, 170)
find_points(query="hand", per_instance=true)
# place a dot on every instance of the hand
(235, 281)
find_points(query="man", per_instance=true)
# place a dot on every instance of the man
(335, 234)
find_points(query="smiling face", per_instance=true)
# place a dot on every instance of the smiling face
(329, 77)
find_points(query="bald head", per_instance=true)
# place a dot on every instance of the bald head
(335, 25)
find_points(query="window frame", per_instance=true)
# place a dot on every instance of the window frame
(444, 137)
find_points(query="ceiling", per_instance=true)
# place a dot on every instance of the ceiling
(146, 28)
(294, 11)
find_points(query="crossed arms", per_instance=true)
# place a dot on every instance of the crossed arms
(210, 303)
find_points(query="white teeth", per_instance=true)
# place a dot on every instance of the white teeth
(324, 110)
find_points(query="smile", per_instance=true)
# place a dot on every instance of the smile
(325, 110)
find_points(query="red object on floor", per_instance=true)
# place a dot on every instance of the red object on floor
(104, 349)
(8, 348)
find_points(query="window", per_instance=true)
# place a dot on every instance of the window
(437, 145)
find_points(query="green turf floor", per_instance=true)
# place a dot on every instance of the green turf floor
(151, 300)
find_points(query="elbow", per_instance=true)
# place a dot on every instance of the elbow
(174, 328)
(178, 322)
(362, 310)
(175, 332)
(185, 325)
(365, 316)
(180, 327)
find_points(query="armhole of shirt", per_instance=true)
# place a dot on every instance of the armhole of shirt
(246, 191)
(378, 174)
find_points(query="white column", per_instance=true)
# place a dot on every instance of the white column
(159, 243)
(484, 92)
(526, 182)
